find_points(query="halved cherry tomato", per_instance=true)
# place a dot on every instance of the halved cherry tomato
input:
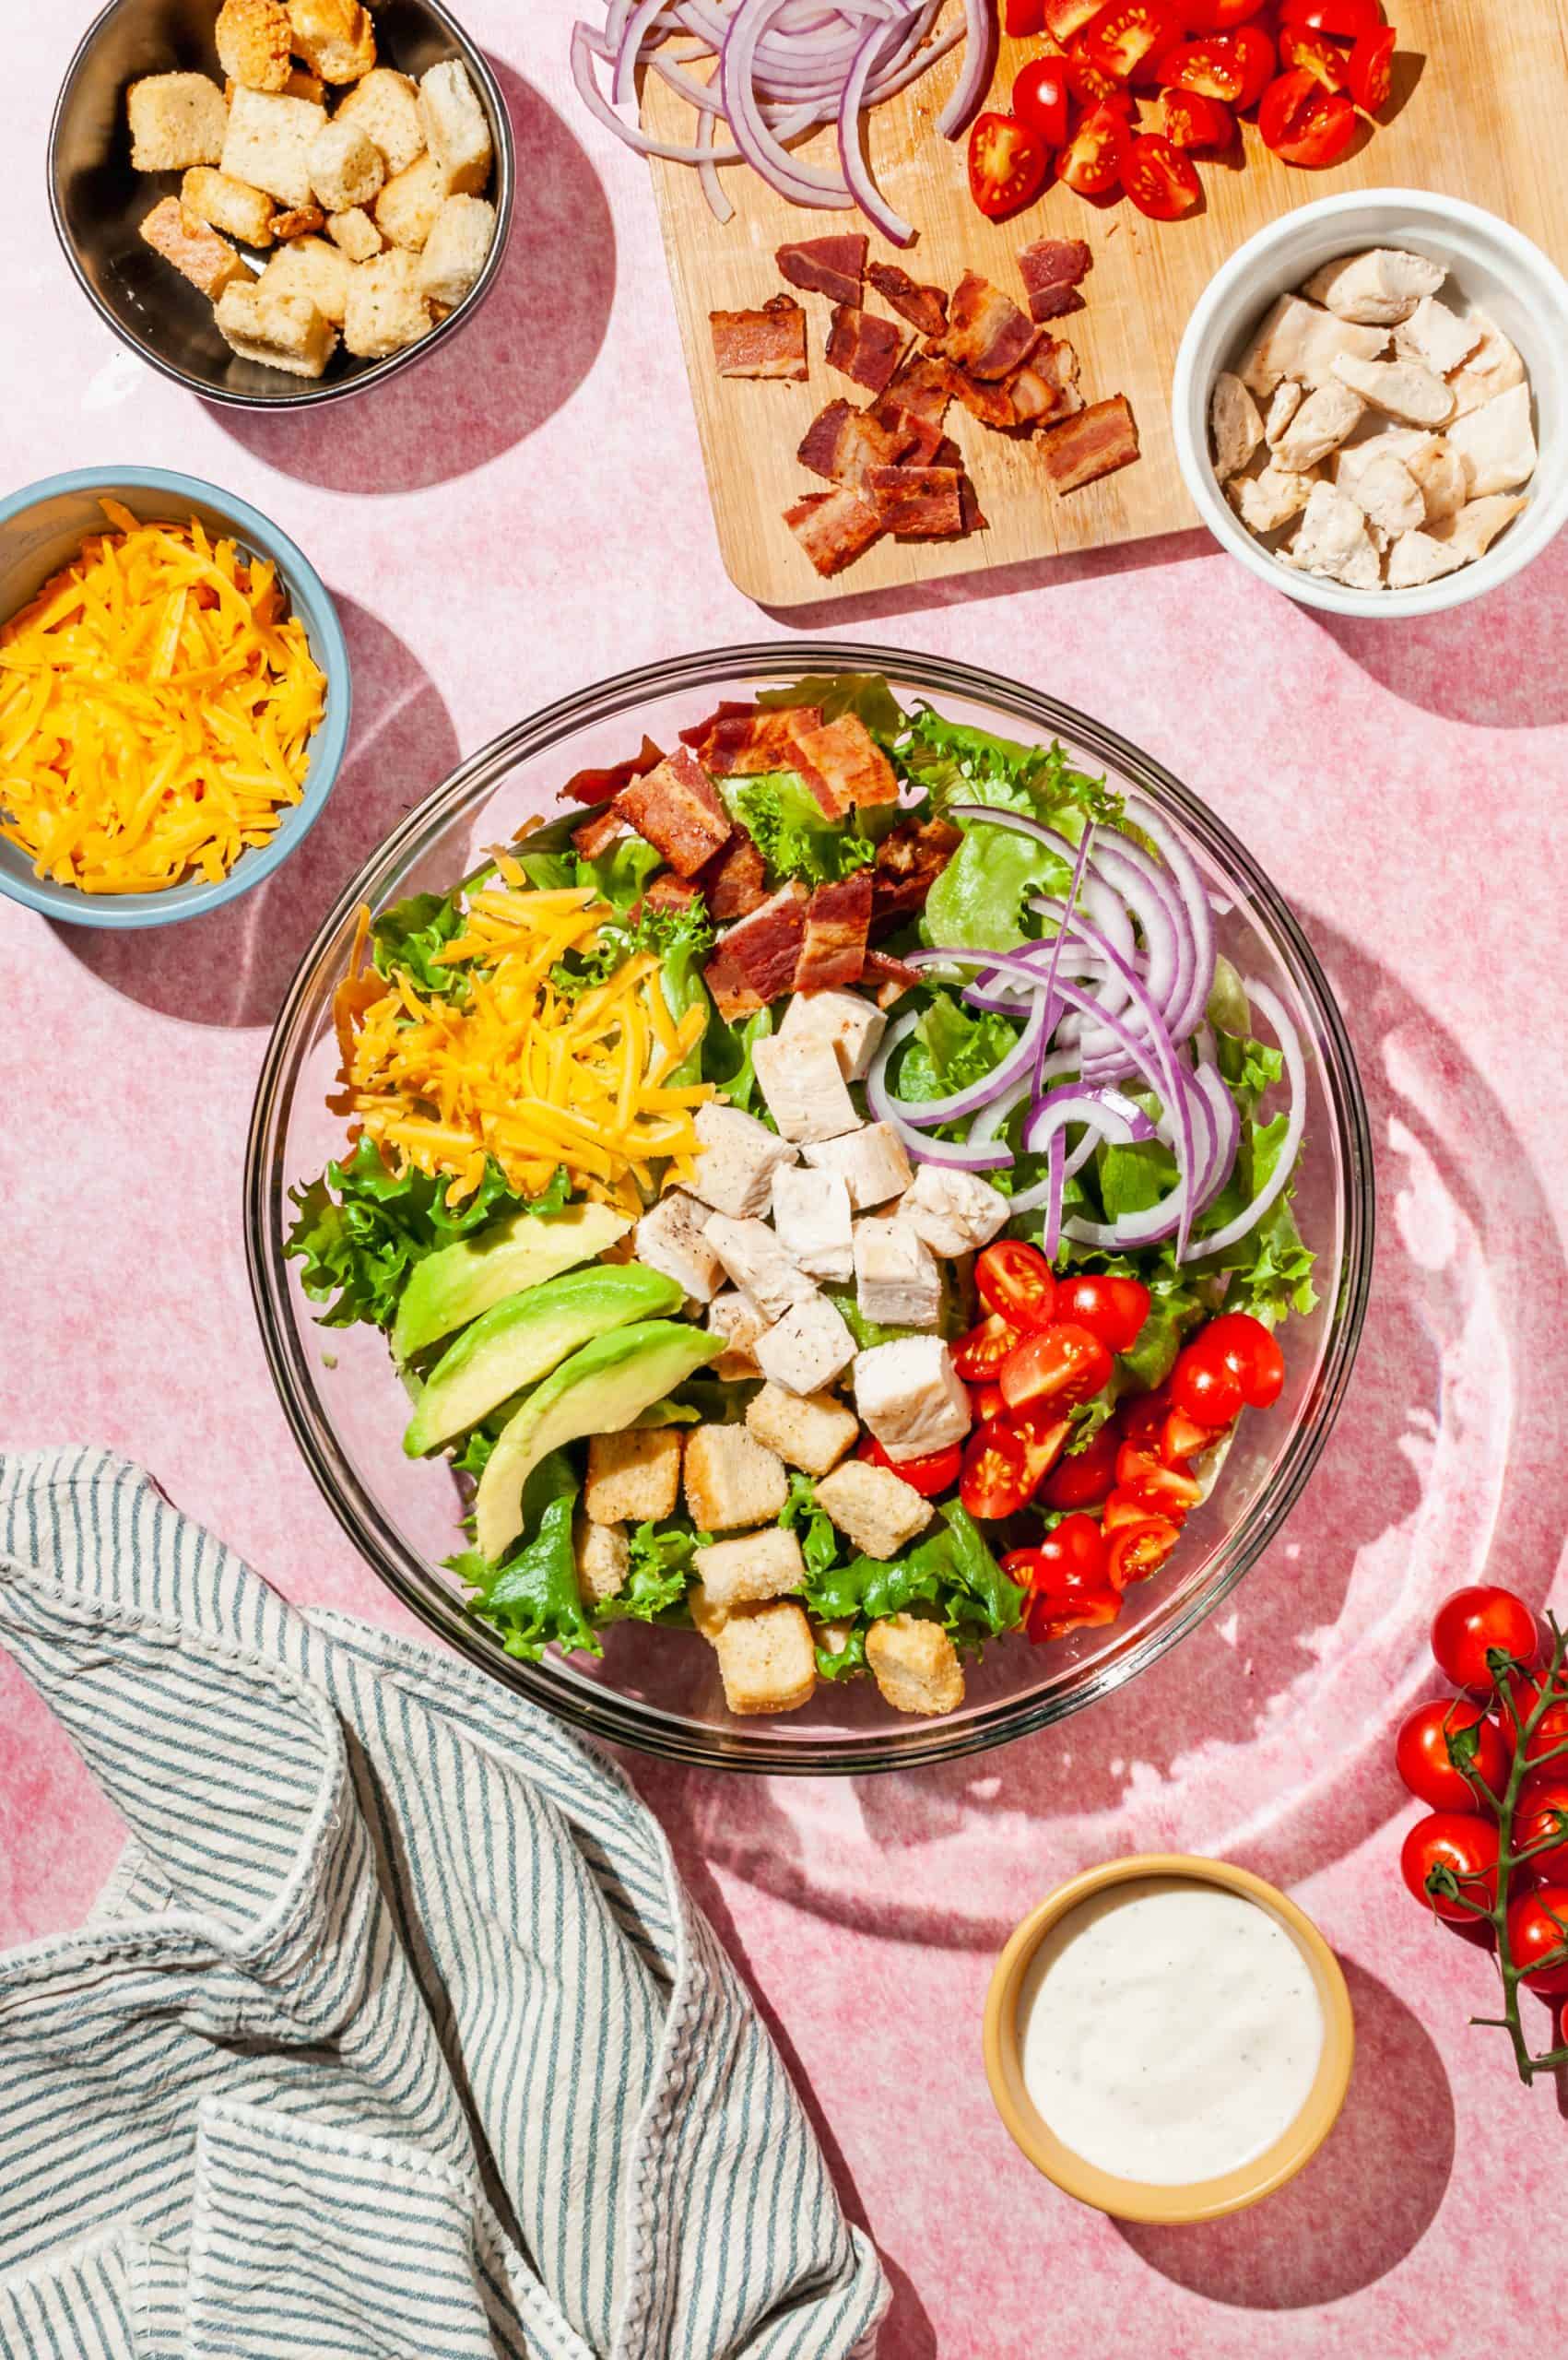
(1142, 1416)
(1076, 1541)
(1303, 122)
(994, 1480)
(1066, 1579)
(1062, 1364)
(1159, 180)
(1217, 16)
(1248, 1350)
(1039, 99)
(1091, 87)
(1065, 17)
(1461, 1842)
(1540, 1811)
(1477, 1621)
(1124, 33)
(986, 1402)
(1007, 164)
(1370, 70)
(1537, 1929)
(1114, 1309)
(1014, 1280)
(1045, 1437)
(1163, 1490)
(1420, 1753)
(1209, 68)
(1088, 1476)
(1346, 19)
(1253, 51)
(1092, 160)
(930, 1476)
(1194, 122)
(1022, 17)
(1181, 1439)
(978, 1356)
(1136, 1550)
(1315, 54)
(1203, 1387)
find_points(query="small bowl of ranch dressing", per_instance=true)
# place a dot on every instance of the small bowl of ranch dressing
(1167, 2038)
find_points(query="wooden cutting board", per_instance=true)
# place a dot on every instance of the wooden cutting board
(1477, 111)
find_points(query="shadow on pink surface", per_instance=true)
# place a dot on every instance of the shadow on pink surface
(233, 967)
(847, 610)
(1266, 1737)
(516, 363)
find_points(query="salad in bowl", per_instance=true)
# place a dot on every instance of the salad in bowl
(826, 1194)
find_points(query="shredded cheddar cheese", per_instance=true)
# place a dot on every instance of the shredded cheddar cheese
(156, 705)
(513, 1072)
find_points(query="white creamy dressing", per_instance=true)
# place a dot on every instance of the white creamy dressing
(1169, 2030)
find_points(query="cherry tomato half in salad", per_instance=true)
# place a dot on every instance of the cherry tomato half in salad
(1067, 1578)
(1203, 1387)
(1315, 54)
(1535, 1933)
(1420, 1755)
(1303, 122)
(1369, 72)
(1062, 1364)
(1092, 160)
(996, 1479)
(1209, 68)
(1112, 1308)
(1135, 1550)
(930, 1476)
(979, 1355)
(1124, 33)
(1476, 1622)
(1163, 1490)
(1142, 1416)
(1248, 1350)
(1461, 1842)
(986, 1402)
(1346, 19)
(1008, 163)
(1040, 97)
(1015, 1282)
(1120, 1510)
(1541, 1816)
(1181, 1438)
(1193, 122)
(1253, 51)
(1088, 1476)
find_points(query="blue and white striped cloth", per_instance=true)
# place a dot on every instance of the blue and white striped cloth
(397, 2035)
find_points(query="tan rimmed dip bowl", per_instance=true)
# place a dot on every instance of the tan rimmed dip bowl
(1136, 2200)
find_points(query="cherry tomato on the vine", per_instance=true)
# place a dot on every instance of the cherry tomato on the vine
(1420, 1755)
(1462, 1843)
(937, 1473)
(1535, 1932)
(1541, 1816)
(1014, 1280)
(1112, 1308)
(1061, 1363)
(1475, 1622)
(1007, 164)
(1539, 1746)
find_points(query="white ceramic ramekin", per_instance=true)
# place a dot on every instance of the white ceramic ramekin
(1491, 264)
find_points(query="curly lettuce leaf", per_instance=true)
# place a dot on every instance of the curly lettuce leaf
(865, 694)
(949, 1049)
(792, 832)
(843, 1663)
(659, 1567)
(951, 1570)
(817, 1533)
(406, 938)
(532, 1596)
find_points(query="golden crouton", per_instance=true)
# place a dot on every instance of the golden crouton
(355, 232)
(386, 309)
(177, 120)
(634, 1476)
(766, 1658)
(457, 131)
(298, 221)
(602, 1559)
(875, 1507)
(914, 1664)
(269, 143)
(406, 209)
(385, 107)
(335, 38)
(758, 1565)
(809, 1430)
(456, 250)
(313, 268)
(347, 168)
(197, 253)
(301, 85)
(232, 205)
(281, 331)
(254, 44)
(731, 1480)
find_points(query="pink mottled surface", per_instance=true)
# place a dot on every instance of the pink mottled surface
(527, 512)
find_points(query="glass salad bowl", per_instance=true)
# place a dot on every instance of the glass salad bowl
(658, 1689)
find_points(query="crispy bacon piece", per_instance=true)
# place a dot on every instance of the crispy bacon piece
(735, 881)
(835, 266)
(991, 404)
(923, 386)
(987, 334)
(834, 527)
(844, 444)
(769, 343)
(668, 891)
(843, 766)
(599, 787)
(676, 809)
(1058, 363)
(891, 977)
(838, 918)
(1052, 268)
(923, 436)
(596, 834)
(925, 307)
(864, 347)
(754, 960)
(919, 504)
(1099, 440)
(910, 859)
(741, 740)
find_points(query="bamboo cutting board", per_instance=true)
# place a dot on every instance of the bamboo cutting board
(1475, 112)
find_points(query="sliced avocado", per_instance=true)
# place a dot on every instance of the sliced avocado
(522, 1339)
(455, 1284)
(598, 1391)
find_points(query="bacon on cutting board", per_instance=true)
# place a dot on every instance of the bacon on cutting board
(1052, 270)
(987, 335)
(919, 504)
(833, 267)
(755, 959)
(844, 443)
(834, 527)
(864, 347)
(769, 343)
(832, 950)
(923, 307)
(1099, 440)
(676, 809)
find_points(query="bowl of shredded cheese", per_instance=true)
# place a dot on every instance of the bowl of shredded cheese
(174, 697)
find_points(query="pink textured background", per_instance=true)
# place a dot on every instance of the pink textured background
(525, 513)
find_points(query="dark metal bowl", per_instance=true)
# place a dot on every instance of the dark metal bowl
(99, 202)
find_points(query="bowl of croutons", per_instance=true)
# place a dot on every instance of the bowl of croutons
(280, 201)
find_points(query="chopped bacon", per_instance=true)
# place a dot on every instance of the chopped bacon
(1058, 363)
(992, 405)
(835, 266)
(597, 834)
(923, 386)
(925, 307)
(741, 740)
(675, 807)
(923, 435)
(891, 977)
(864, 347)
(918, 502)
(843, 766)
(1096, 442)
(668, 891)
(844, 444)
(986, 334)
(1052, 268)
(735, 881)
(769, 343)
(834, 527)
(910, 859)
(599, 787)
(754, 960)
(837, 921)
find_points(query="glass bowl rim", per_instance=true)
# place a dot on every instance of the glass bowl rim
(602, 1714)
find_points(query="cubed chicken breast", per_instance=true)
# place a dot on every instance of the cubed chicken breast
(1319, 426)
(1380, 289)
(1265, 502)
(1440, 472)
(1332, 540)
(740, 1155)
(955, 1212)
(1416, 557)
(1491, 368)
(811, 1215)
(808, 1348)
(756, 1262)
(804, 1086)
(1285, 402)
(1476, 525)
(1401, 389)
(871, 1163)
(854, 1025)
(1382, 487)
(1299, 341)
(1497, 443)
(1236, 425)
(910, 1397)
(897, 1283)
(1436, 336)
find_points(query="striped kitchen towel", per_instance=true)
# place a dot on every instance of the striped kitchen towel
(396, 2036)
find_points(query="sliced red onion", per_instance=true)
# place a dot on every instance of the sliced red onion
(719, 205)
(636, 29)
(858, 171)
(1289, 1147)
(806, 183)
(1195, 901)
(974, 80)
(929, 1114)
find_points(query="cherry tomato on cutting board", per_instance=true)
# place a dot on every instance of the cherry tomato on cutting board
(1020, 18)
(1254, 54)
(1092, 160)
(1119, 39)
(1088, 1476)
(1008, 163)
(1014, 1280)
(1541, 1816)
(1040, 97)
(1315, 54)
(1217, 16)
(1061, 1363)
(1193, 122)
(1370, 69)
(1064, 18)
(1112, 1308)
(1092, 85)
(1346, 19)
(1533, 1933)
(1304, 124)
(1420, 1755)
(1461, 1842)
(1476, 1620)
(937, 1473)
(1160, 181)
(1209, 68)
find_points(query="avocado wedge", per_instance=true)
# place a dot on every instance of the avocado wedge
(598, 1391)
(461, 1281)
(522, 1339)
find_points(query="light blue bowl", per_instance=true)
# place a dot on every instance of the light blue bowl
(42, 529)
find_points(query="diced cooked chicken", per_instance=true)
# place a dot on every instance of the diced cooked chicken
(808, 1348)
(1380, 287)
(669, 1239)
(1440, 472)
(1401, 389)
(1416, 557)
(955, 1212)
(757, 1263)
(897, 1283)
(804, 1089)
(739, 1321)
(1491, 368)
(740, 1155)
(1287, 401)
(1236, 425)
(1497, 443)
(1382, 487)
(910, 1396)
(1478, 522)
(1265, 502)
(1319, 426)
(811, 1214)
(1301, 341)
(854, 1025)
(1436, 336)
(872, 1163)
(1332, 540)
